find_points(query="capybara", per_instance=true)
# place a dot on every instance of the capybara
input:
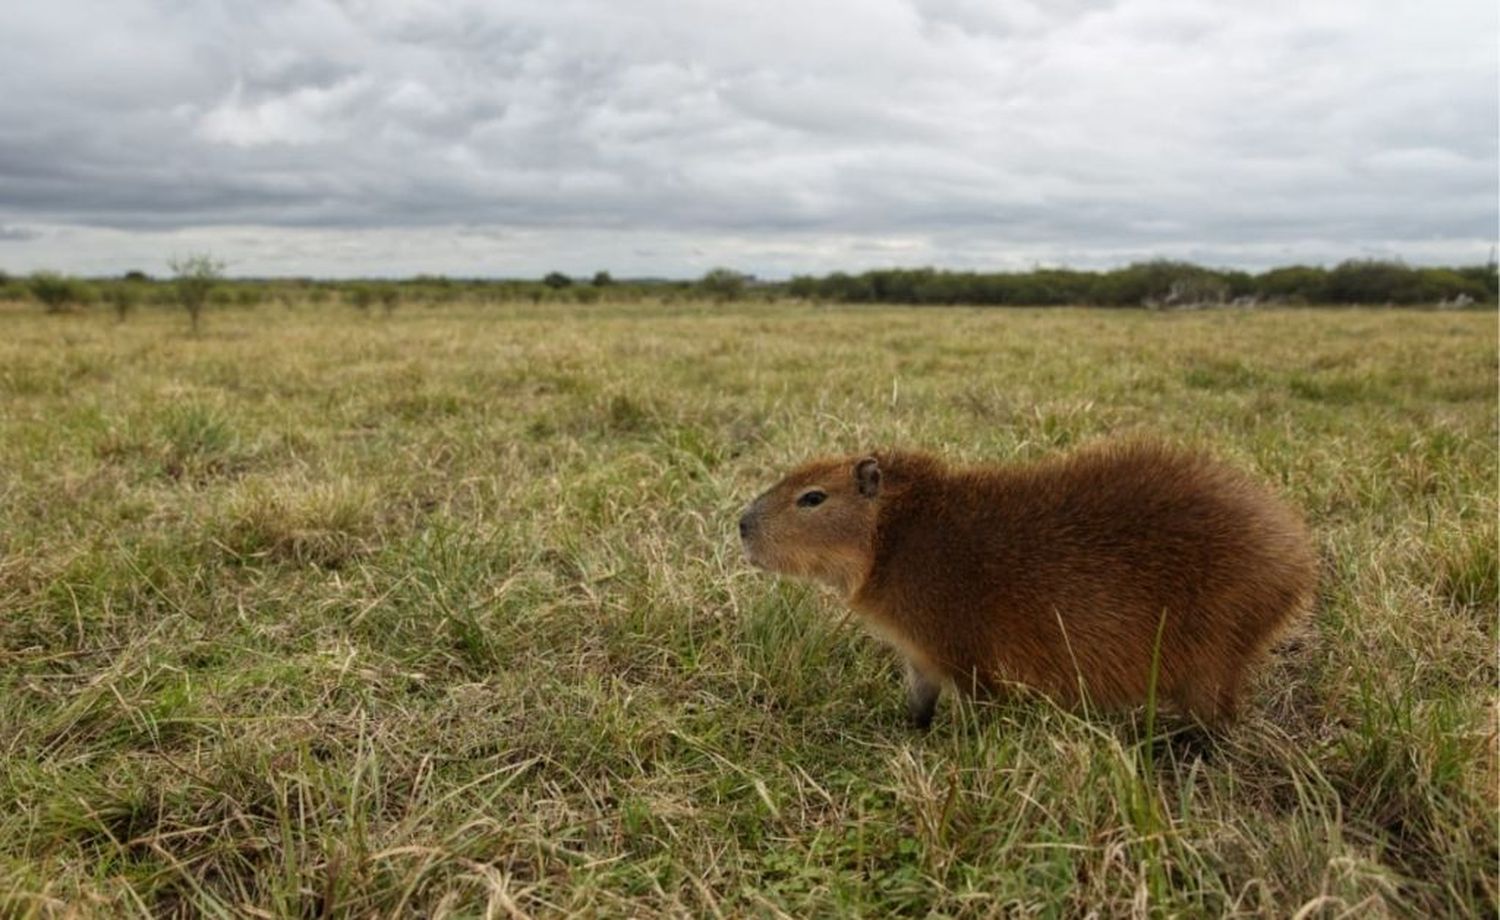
(1058, 575)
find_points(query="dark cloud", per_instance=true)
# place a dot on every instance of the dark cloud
(17, 234)
(651, 137)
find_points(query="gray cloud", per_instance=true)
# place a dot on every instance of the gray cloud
(778, 137)
(17, 234)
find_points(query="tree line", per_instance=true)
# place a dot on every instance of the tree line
(199, 281)
(1162, 283)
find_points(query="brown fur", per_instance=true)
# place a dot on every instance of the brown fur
(1054, 575)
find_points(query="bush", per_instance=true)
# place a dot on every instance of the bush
(557, 280)
(1161, 282)
(1444, 285)
(57, 292)
(723, 284)
(1486, 277)
(197, 276)
(1370, 281)
(1295, 284)
(362, 296)
(124, 297)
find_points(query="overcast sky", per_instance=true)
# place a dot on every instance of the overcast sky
(650, 137)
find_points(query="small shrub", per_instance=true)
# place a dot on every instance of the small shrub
(1371, 281)
(56, 292)
(326, 525)
(197, 276)
(124, 297)
(199, 444)
(362, 296)
(723, 284)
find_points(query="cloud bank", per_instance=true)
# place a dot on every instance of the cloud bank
(372, 137)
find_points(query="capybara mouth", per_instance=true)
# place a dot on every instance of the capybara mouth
(748, 550)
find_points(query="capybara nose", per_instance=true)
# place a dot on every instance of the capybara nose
(745, 526)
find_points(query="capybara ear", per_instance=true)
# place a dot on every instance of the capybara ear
(867, 474)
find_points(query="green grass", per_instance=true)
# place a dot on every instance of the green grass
(443, 614)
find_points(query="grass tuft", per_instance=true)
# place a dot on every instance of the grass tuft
(1468, 573)
(328, 525)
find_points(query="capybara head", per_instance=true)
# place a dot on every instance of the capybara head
(818, 522)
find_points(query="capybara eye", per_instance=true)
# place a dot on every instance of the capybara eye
(811, 498)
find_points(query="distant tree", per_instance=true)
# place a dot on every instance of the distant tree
(1239, 283)
(137, 275)
(1446, 285)
(602, 279)
(557, 280)
(1485, 276)
(1293, 283)
(56, 292)
(1158, 282)
(1371, 281)
(723, 284)
(844, 287)
(196, 277)
(124, 296)
(803, 286)
(362, 296)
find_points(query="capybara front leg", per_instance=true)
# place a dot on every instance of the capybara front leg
(921, 697)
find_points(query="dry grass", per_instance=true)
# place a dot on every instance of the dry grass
(441, 614)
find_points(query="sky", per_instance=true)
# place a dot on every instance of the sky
(668, 137)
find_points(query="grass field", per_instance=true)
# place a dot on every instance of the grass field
(443, 614)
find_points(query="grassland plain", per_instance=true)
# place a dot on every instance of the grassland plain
(442, 614)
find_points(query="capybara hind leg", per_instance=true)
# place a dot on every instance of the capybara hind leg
(921, 697)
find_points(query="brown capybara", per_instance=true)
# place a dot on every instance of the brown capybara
(1055, 575)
